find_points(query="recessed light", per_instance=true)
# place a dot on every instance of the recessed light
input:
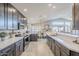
(25, 10)
(49, 5)
(53, 6)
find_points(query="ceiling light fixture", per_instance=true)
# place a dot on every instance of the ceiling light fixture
(54, 7)
(25, 10)
(49, 5)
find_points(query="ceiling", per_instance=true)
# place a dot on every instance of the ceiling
(42, 12)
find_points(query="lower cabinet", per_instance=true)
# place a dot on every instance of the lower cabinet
(61, 50)
(49, 42)
(8, 51)
(19, 47)
(53, 46)
(58, 49)
(15, 49)
(64, 54)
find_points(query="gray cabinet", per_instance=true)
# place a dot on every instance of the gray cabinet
(19, 47)
(8, 51)
(15, 49)
(57, 51)
(49, 42)
(64, 51)
(1, 16)
(57, 48)
(53, 46)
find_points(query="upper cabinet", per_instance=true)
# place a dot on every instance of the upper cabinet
(76, 16)
(15, 18)
(2, 16)
(10, 17)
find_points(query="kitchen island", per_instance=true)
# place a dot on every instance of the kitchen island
(63, 44)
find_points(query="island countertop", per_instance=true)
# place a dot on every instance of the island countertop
(66, 41)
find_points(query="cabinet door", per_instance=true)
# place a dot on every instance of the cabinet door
(63, 54)
(15, 18)
(10, 10)
(6, 16)
(57, 51)
(64, 51)
(1, 16)
(53, 46)
(9, 51)
(47, 40)
(18, 50)
(50, 43)
(19, 47)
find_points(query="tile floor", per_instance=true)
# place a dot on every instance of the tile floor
(38, 48)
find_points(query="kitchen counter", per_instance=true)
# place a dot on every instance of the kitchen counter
(66, 41)
(9, 41)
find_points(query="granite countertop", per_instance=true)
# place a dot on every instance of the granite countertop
(8, 41)
(66, 41)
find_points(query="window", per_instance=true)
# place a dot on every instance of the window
(61, 25)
